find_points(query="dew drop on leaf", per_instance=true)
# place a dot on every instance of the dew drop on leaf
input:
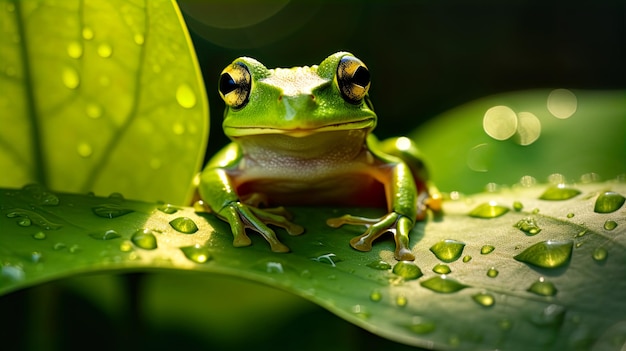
(610, 225)
(40, 195)
(196, 253)
(492, 272)
(517, 206)
(110, 211)
(126, 246)
(467, 258)
(441, 269)
(185, 96)
(75, 50)
(448, 250)
(608, 202)
(488, 210)
(12, 272)
(24, 222)
(200, 206)
(39, 236)
(168, 209)
(379, 265)
(407, 270)
(105, 50)
(558, 193)
(145, 239)
(36, 256)
(600, 254)
(360, 311)
(421, 327)
(376, 296)
(570, 215)
(59, 246)
(27, 217)
(184, 225)
(70, 78)
(484, 299)
(401, 301)
(543, 288)
(547, 254)
(443, 284)
(107, 235)
(88, 33)
(487, 249)
(528, 225)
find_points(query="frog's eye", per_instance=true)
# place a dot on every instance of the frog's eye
(235, 84)
(353, 79)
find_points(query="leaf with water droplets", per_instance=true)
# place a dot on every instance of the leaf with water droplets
(370, 289)
(87, 68)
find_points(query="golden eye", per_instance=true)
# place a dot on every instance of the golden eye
(235, 84)
(353, 79)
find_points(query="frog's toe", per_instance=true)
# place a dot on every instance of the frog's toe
(404, 254)
(241, 241)
(359, 243)
(279, 247)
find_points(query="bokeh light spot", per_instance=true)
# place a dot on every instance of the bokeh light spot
(500, 122)
(528, 129)
(562, 103)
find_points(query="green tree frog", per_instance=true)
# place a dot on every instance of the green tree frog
(302, 136)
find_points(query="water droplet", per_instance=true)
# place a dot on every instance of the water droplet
(562, 103)
(608, 202)
(107, 235)
(443, 284)
(70, 78)
(39, 236)
(487, 249)
(448, 250)
(59, 246)
(360, 311)
(535, 211)
(116, 196)
(93, 110)
(12, 272)
(543, 288)
(36, 256)
(528, 225)
(84, 149)
(329, 258)
(145, 239)
(139, 39)
(274, 267)
(87, 33)
(488, 210)
(484, 299)
(27, 217)
(401, 301)
(492, 272)
(40, 195)
(581, 233)
(517, 206)
(376, 296)
(407, 270)
(547, 254)
(200, 206)
(169, 209)
(500, 122)
(552, 315)
(110, 211)
(126, 246)
(421, 327)
(196, 253)
(579, 244)
(467, 258)
(75, 50)
(184, 225)
(105, 50)
(600, 254)
(379, 265)
(185, 96)
(570, 215)
(558, 193)
(441, 269)
(74, 249)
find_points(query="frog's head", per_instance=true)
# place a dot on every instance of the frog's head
(297, 101)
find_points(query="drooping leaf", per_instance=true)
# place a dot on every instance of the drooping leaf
(489, 299)
(102, 96)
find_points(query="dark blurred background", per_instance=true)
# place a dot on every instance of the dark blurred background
(425, 57)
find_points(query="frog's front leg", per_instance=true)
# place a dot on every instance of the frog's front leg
(402, 199)
(217, 190)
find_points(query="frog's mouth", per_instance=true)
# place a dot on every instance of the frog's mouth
(298, 132)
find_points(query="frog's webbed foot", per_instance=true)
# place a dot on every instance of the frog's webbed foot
(397, 224)
(242, 217)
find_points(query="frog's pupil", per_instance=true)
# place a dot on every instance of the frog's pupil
(227, 83)
(361, 76)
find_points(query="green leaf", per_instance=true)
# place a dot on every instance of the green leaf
(589, 143)
(102, 96)
(490, 299)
